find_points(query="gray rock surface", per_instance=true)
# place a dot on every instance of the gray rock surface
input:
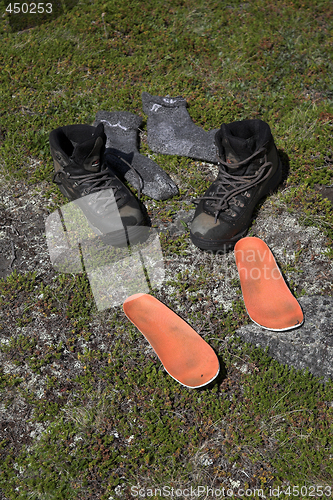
(309, 346)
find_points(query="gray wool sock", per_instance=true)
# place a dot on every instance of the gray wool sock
(121, 130)
(172, 131)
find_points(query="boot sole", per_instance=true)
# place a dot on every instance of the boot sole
(184, 354)
(226, 245)
(223, 246)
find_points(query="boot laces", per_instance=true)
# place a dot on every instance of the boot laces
(228, 186)
(98, 181)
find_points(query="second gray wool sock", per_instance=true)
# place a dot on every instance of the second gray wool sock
(121, 130)
(172, 131)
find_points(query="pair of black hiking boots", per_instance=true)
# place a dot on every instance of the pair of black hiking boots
(249, 169)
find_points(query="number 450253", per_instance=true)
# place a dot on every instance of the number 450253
(29, 8)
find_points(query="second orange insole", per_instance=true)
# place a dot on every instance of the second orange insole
(267, 298)
(183, 353)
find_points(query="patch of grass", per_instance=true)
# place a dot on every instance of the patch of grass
(286, 424)
(276, 419)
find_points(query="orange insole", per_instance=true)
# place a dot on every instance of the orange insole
(267, 298)
(183, 353)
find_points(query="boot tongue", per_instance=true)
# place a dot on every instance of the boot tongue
(88, 153)
(236, 150)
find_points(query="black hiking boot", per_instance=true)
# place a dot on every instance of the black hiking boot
(80, 174)
(249, 169)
